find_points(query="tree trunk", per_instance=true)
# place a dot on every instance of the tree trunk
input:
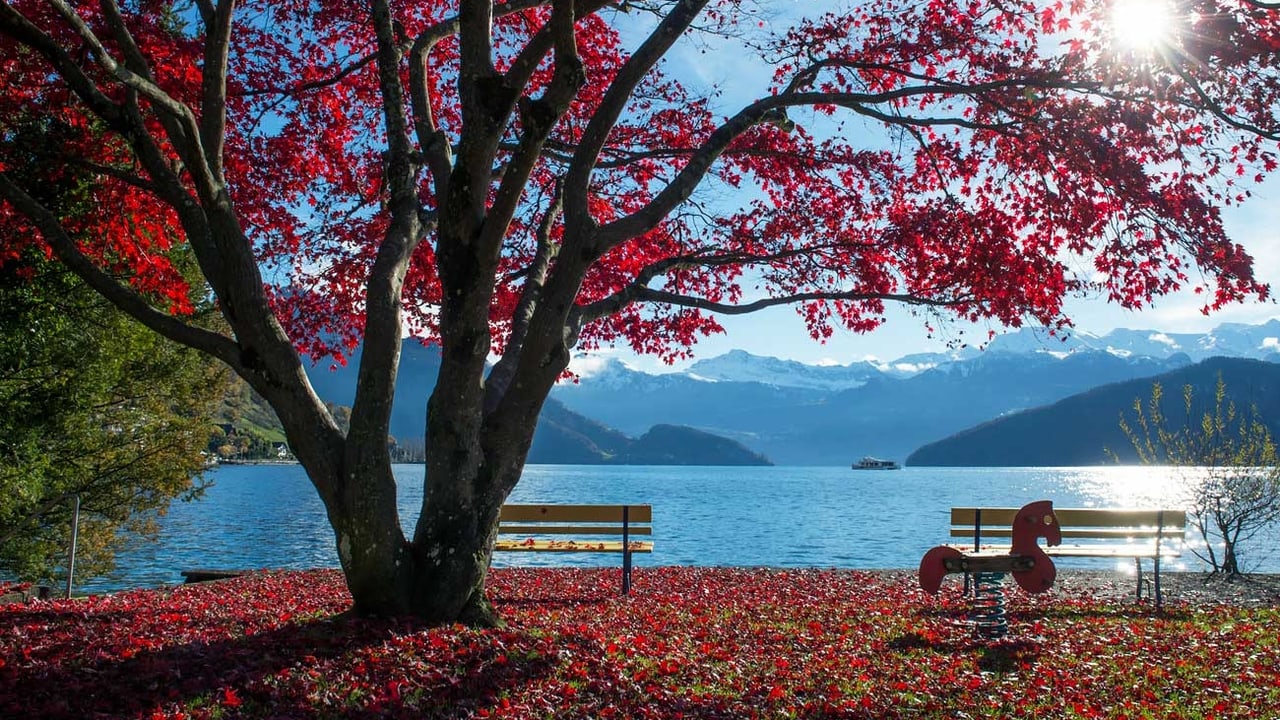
(1230, 567)
(440, 577)
(454, 543)
(371, 546)
(1230, 541)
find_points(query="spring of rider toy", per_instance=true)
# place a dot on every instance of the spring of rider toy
(988, 613)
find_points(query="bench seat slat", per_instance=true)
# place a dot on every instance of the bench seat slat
(1099, 551)
(549, 529)
(1117, 551)
(535, 545)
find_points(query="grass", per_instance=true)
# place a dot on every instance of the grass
(689, 642)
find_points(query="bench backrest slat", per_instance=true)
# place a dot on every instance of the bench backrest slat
(1099, 532)
(1074, 517)
(1077, 522)
(553, 529)
(576, 514)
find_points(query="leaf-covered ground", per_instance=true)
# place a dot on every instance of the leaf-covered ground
(689, 642)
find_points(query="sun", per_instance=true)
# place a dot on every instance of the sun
(1142, 25)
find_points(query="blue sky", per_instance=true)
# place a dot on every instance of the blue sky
(737, 77)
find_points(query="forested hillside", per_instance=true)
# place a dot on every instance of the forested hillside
(1080, 429)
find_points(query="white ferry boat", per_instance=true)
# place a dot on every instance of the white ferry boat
(871, 463)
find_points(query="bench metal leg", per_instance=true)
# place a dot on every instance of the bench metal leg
(1159, 597)
(626, 572)
(626, 550)
(1138, 564)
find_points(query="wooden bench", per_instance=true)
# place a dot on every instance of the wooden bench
(523, 528)
(1153, 534)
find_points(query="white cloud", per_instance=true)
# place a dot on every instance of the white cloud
(588, 365)
(1165, 339)
(1270, 344)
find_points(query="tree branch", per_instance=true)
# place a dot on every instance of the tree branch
(380, 359)
(631, 291)
(128, 122)
(15, 25)
(122, 297)
(213, 110)
(206, 10)
(475, 53)
(185, 134)
(773, 108)
(596, 134)
(399, 167)
(123, 176)
(133, 57)
(687, 180)
(538, 116)
(23, 524)
(504, 370)
(1214, 107)
(645, 294)
(432, 141)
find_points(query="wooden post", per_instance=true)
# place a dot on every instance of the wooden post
(75, 537)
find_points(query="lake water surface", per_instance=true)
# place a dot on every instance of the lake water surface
(268, 516)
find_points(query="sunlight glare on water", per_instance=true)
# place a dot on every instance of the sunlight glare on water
(1123, 486)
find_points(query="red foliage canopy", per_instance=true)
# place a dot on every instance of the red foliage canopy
(987, 157)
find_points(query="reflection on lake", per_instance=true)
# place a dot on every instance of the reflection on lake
(269, 515)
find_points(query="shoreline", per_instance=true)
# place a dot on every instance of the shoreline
(251, 462)
(1187, 586)
(1191, 587)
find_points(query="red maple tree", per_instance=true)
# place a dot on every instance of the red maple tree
(522, 178)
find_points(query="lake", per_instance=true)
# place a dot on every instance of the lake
(268, 516)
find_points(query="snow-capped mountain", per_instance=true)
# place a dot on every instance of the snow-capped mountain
(741, 366)
(884, 416)
(1259, 342)
(814, 414)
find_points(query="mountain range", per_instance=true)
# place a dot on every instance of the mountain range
(829, 415)
(740, 408)
(562, 436)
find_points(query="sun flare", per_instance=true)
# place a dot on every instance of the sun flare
(1142, 25)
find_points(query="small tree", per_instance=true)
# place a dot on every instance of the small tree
(91, 404)
(1234, 491)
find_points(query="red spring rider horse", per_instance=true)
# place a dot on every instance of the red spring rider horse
(1032, 569)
